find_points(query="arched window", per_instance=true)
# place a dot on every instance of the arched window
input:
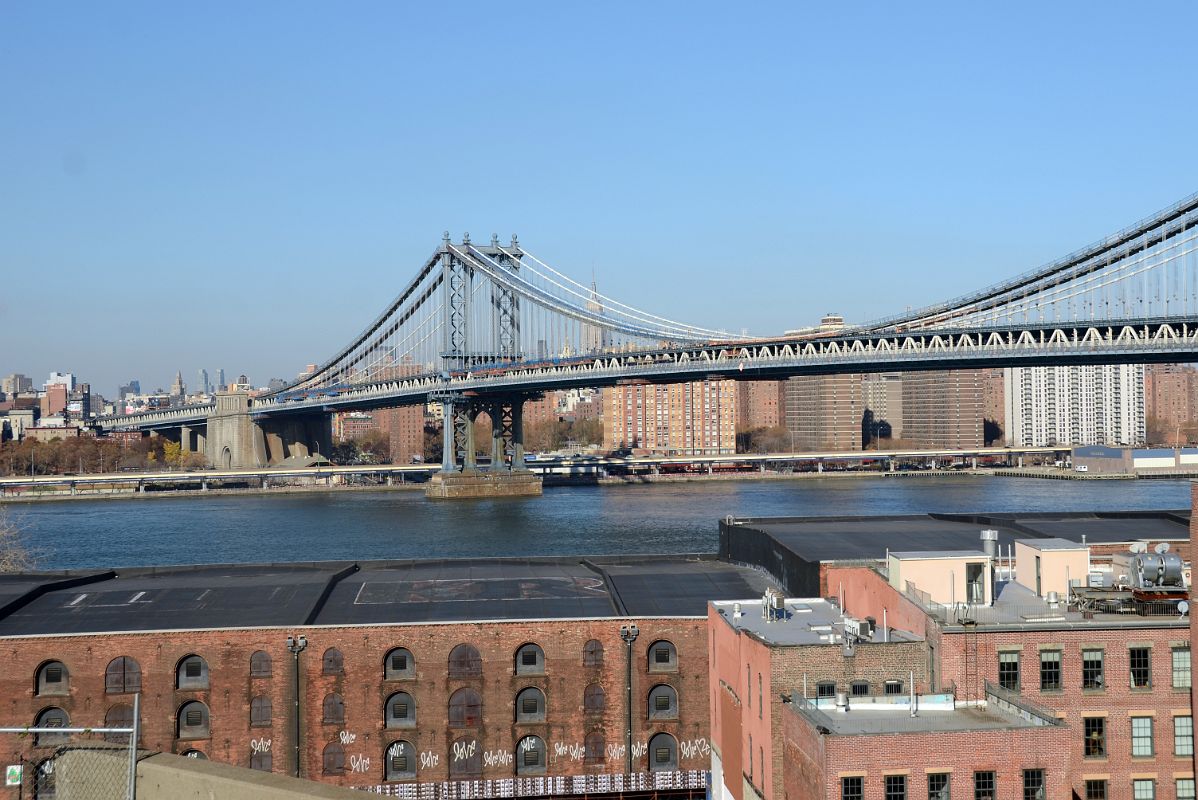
(193, 720)
(123, 676)
(400, 711)
(333, 662)
(592, 653)
(596, 745)
(333, 759)
(663, 702)
(261, 761)
(399, 665)
(260, 711)
(52, 678)
(663, 657)
(530, 705)
(401, 761)
(43, 781)
(465, 662)
(52, 717)
(260, 664)
(334, 709)
(594, 699)
(465, 759)
(663, 753)
(119, 716)
(192, 673)
(856, 689)
(465, 709)
(198, 755)
(530, 660)
(530, 756)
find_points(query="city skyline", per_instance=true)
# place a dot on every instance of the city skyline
(916, 152)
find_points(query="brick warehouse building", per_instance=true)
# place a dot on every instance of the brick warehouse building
(459, 675)
(1104, 678)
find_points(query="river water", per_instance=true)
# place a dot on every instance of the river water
(662, 518)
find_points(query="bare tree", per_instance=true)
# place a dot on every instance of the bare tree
(14, 555)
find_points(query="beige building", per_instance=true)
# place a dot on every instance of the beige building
(882, 394)
(943, 409)
(824, 412)
(697, 418)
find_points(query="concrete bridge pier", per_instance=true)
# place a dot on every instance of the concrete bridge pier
(233, 440)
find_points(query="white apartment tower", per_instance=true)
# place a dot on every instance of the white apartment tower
(1075, 405)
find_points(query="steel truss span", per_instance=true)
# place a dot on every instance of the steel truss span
(495, 320)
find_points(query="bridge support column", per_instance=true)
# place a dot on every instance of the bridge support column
(518, 464)
(185, 439)
(1021, 462)
(460, 476)
(466, 428)
(234, 441)
(449, 459)
(501, 427)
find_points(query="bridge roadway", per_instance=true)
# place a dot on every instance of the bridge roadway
(18, 485)
(1039, 344)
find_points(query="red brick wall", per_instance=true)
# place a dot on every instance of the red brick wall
(1117, 702)
(364, 691)
(804, 757)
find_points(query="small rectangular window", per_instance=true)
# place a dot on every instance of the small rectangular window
(984, 785)
(860, 688)
(825, 689)
(400, 710)
(1092, 669)
(192, 669)
(1185, 789)
(661, 655)
(938, 786)
(1181, 668)
(195, 718)
(529, 705)
(852, 788)
(1141, 736)
(1141, 667)
(1094, 733)
(1183, 736)
(1008, 671)
(1050, 670)
(896, 787)
(399, 763)
(528, 658)
(1033, 784)
(530, 758)
(1096, 790)
(662, 754)
(661, 702)
(53, 674)
(894, 687)
(399, 662)
(1143, 790)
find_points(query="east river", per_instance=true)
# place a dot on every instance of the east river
(663, 518)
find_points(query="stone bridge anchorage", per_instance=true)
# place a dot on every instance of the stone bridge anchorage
(483, 328)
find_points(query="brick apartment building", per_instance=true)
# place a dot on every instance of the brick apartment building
(695, 418)
(460, 677)
(1171, 400)
(1027, 683)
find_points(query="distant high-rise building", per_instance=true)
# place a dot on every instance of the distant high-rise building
(275, 384)
(178, 388)
(204, 386)
(824, 412)
(994, 405)
(942, 410)
(66, 379)
(220, 381)
(882, 395)
(1075, 405)
(695, 418)
(759, 404)
(595, 337)
(1170, 402)
(15, 384)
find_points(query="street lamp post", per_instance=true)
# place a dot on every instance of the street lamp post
(296, 645)
(629, 633)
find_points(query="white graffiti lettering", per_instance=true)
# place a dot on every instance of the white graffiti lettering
(639, 749)
(464, 750)
(260, 745)
(359, 763)
(497, 758)
(527, 743)
(575, 752)
(695, 747)
(615, 751)
(429, 759)
(348, 738)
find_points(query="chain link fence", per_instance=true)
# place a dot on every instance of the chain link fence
(51, 761)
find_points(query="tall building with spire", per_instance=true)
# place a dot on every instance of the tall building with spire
(595, 338)
(178, 388)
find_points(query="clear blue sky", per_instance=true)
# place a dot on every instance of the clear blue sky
(244, 185)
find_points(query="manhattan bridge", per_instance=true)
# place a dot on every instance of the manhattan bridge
(481, 328)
